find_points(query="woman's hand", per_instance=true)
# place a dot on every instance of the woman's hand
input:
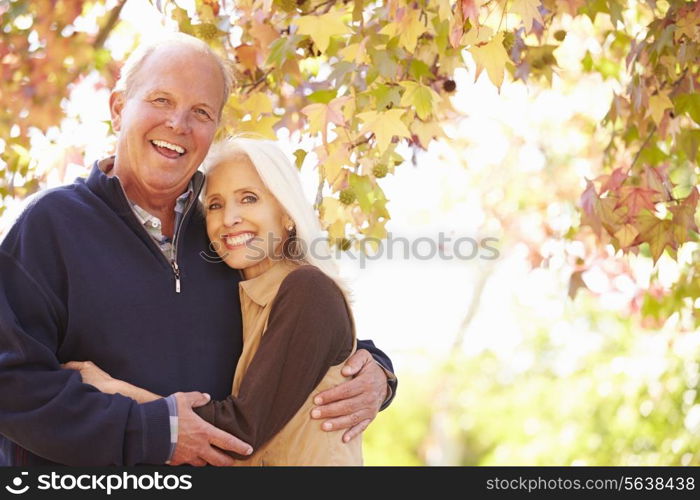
(92, 374)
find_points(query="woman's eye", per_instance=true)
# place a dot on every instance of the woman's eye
(214, 206)
(249, 198)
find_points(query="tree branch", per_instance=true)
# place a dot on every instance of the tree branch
(109, 25)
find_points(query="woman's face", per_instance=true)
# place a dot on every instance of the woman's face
(245, 223)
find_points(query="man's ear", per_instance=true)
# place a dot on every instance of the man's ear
(116, 105)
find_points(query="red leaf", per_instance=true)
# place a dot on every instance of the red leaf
(613, 181)
(636, 198)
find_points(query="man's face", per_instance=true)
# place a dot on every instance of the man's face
(167, 121)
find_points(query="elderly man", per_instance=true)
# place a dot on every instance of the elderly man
(109, 269)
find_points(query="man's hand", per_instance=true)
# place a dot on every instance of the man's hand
(353, 404)
(195, 437)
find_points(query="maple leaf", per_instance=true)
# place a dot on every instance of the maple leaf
(656, 178)
(658, 104)
(419, 97)
(613, 181)
(322, 28)
(570, 6)
(636, 198)
(658, 233)
(626, 235)
(684, 212)
(528, 11)
(332, 158)
(426, 132)
(470, 10)
(321, 115)
(408, 27)
(384, 125)
(247, 55)
(492, 57)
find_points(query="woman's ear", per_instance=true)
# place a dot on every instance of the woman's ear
(116, 105)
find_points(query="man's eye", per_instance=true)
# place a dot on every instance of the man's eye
(203, 113)
(161, 100)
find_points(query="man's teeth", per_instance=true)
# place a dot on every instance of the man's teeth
(240, 239)
(174, 147)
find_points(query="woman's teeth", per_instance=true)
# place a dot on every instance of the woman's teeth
(239, 239)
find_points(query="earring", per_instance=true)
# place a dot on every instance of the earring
(290, 227)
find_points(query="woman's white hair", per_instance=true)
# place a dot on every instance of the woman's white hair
(282, 180)
(136, 60)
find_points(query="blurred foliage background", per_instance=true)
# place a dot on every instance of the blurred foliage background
(566, 130)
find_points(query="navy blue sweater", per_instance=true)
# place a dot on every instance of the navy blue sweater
(82, 280)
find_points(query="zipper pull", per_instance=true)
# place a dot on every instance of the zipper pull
(176, 272)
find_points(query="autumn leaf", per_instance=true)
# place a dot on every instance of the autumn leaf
(657, 105)
(322, 28)
(331, 159)
(426, 132)
(247, 55)
(384, 125)
(626, 235)
(492, 57)
(684, 212)
(419, 97)
(528, 11)
(408, 28)
(613, 181)
(635, 198)
(321, 115)
(656, 232)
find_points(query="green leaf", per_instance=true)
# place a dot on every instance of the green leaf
(300, 155)
(418, 69)
(362, 185)
(322, 96)
(689, 103)
(386, 96)
(419, 97)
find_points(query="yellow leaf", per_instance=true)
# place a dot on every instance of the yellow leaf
(320, 115)
(493, 57)
(257, 104)
(626, 235)
(322, 28)
(419, 97)
(657, 105)
(426, 131)
(263, 126)
(476, 36)
(332, 210)
(527, 10)
(332, 158)
(356, 53)
(409, 27)
(384, 125)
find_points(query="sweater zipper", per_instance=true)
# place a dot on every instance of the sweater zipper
(173, 261)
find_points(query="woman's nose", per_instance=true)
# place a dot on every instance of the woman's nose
(232, 217)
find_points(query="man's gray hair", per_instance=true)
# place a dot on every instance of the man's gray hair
(138, 57)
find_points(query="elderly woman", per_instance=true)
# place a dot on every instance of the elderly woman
(297, 325)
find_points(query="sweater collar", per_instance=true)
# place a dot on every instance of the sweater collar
(262, 289)
(110, 188)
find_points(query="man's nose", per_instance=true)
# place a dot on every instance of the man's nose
(179, 121)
